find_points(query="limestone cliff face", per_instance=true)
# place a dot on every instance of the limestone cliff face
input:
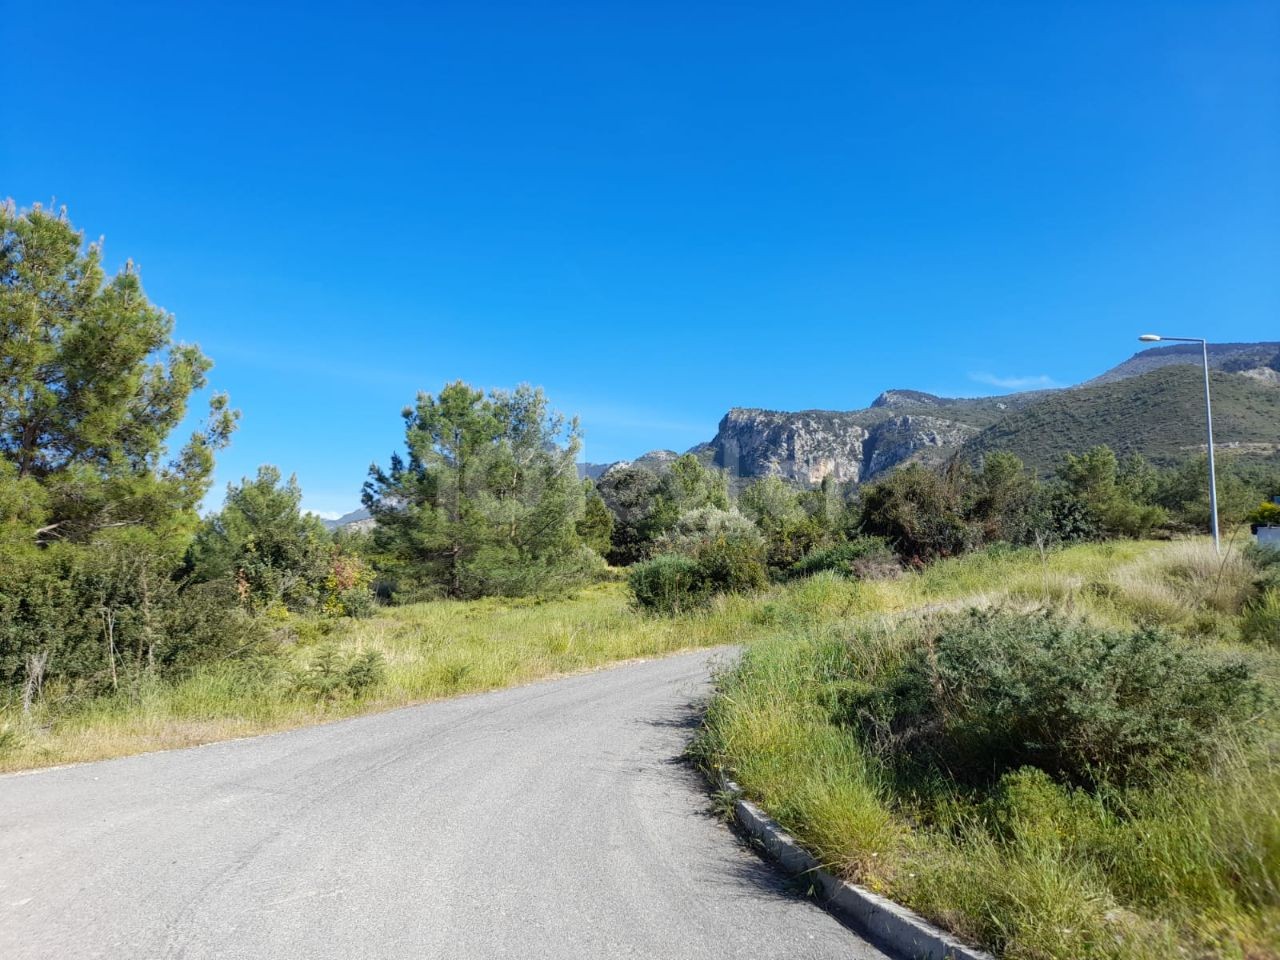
(806, 446)
(811, 445)
(898, 439)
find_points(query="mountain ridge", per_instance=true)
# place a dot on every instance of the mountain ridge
(902, 425)
(1146, 404)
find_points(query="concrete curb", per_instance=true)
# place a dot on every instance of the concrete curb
(890, 926)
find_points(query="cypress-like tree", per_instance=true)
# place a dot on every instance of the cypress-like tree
(595, 527)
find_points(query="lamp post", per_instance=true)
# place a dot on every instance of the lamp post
(1208, 416)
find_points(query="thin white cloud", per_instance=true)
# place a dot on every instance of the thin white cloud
(1038, 381)
(325, 514)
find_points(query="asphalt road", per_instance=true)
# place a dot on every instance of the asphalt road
(555, 820)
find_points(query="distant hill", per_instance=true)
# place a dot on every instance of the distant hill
(358, 519)
(1159, 414)
(1152, 404)
(1255, 358)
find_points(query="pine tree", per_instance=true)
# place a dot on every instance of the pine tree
(595, 528)
(91, 386)
(262, 541)
(488, 499)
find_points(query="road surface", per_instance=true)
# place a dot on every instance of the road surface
(554, 820)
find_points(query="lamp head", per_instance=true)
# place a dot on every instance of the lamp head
(1150, 338)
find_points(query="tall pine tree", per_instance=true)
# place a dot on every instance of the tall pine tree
(488, 499)
(91, 386)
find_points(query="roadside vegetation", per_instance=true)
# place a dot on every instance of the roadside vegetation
(1070, 758)
(322, 669)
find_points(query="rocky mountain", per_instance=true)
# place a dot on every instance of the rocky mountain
(1159, 414)
(1143, 405)
(358, 519)
(1151, 404)
(814, 444)
(1259, 360)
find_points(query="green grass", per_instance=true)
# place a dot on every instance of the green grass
(1188, 867)
(445, 648)
(430, 650)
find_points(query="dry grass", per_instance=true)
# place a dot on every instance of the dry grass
(1189, 869)
(441, 649)
(430, 650)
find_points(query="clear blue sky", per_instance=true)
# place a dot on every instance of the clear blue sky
(656, 210)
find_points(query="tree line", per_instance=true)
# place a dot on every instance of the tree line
(109, 575)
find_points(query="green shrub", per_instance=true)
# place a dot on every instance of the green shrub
(206, 624)
(920, 512)
(866, 558)
(675, 582)
(1266, 560)
(708, 550)
(357, 603)
(364, 671)
(731, 565)
(695, 528)
(1264, 515)
(330, 676)
(96, 612)
(668, 583)
(986, 693)
(1261, 620)
(261, 539)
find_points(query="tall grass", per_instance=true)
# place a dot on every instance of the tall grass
(444, 648)
(430, 650)
(1186, 867)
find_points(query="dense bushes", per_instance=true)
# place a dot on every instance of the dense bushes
(928, 513)
(260, 539)
(646, 503)
(703, 525)
(669, 583)
(918, 513)
(986, 693)
(731, 565)
(863, 558)
(794, 522)
(710, 551)
(89, 614)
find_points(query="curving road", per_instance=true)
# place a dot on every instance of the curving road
(554, 820)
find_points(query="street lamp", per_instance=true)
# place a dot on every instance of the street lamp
(1208, 416)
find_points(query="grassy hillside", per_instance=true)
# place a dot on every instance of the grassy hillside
(1159, 415)
(1181, 862)
(1222, 356)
